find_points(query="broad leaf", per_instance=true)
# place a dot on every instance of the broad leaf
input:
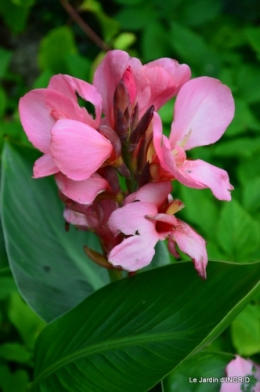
(50, 267)
(130, 334)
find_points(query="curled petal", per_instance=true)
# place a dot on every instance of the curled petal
(69, 86)
(199, 174)
(166, 76)
(75, 218)
(133, 253)
(83, 192)
(107, 76)
(40, 109)
(129, 81)
(130, 219)
(195, 174)
(203, 109)
(154, 192)
(192, 244)
(77, 149)
(44, 166)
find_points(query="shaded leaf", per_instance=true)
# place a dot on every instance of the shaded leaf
(49, 265)
(15, 352)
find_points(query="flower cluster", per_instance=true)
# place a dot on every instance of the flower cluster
(114, 167)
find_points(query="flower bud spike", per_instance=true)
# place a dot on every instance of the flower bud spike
(123, 170)
(142, 126)
(144, 177)
(120, 125)
(112, 136)
(135, 117)
(121, 97)
(109, 173)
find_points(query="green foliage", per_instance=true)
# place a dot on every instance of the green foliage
(214, 38)
(135, 337)
(61, 263)
(246, 330)
(15, 13)
(55, 47)
(238, 233)
(202, 365)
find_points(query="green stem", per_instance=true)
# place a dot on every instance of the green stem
(115, 274)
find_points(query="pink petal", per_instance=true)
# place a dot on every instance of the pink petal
(162, 146)
(240, 367)
(199, 174)
(195, 174)
(69, 86)
(166, 76)
(204, 108)
(77, 149)
(83, 192)
(129, 81)
(130, 219)
(133, 253)
(155, 193)
(44, 166)
(165, 218)
(107, 76)
(75, 218)
(40, 109)
(192, 244)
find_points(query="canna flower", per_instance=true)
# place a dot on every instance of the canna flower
(67, 135)
(203, 109)
(241, 368)
(147, 218)
(151, 84)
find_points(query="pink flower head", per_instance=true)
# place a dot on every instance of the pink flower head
(67, 135)
(240, 367)
(204, 108)
(144, 225)
(151, 84)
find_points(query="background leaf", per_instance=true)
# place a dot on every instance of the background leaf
(245, 330)
(200, 365)
(49, 265)
(238, 233)
(146, 326)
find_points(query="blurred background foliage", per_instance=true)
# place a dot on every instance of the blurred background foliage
(218, 38)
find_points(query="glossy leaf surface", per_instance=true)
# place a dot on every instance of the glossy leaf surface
(130, 334)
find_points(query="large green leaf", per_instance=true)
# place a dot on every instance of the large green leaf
(130, 334)
(49, 265)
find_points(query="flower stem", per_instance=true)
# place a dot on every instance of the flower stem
(115, 274)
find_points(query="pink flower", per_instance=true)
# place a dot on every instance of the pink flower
(240, 367)
(203, 109)
(144, 225)
(67, 136)
(151, 84)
